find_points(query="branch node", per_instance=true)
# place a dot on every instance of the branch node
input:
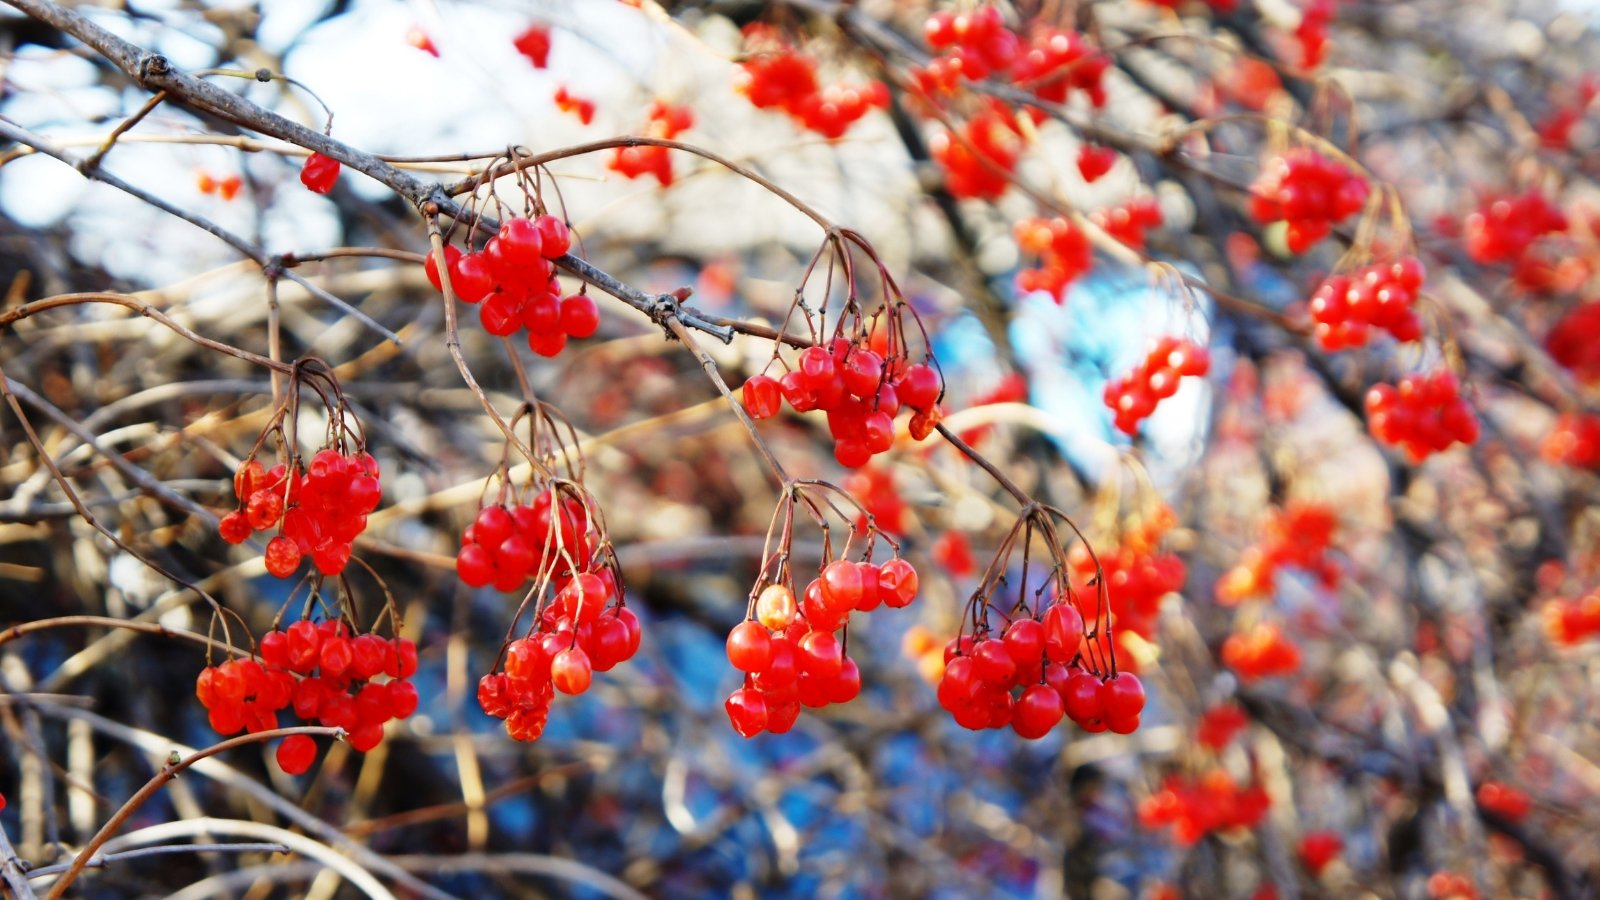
(153, 65)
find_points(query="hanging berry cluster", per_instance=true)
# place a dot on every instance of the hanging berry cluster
(550, 532)
(1137, 572)
(1037, 665)
(1261, 651)
(792, 648)
(1064, 255)
(1134, 396)
(1505, 226)
(666, 121)
(1312, 192)
(775, 75)
(317, 509)
(1194, 808)
(1382, 295)
(582, 629)
(979, 158)
(976, 44)
(514, 282)
(1219, 725)
(1424, 414)
(1299, 536)
(1572, 621)
(1129, 220)
(862, 378)
(326, 672)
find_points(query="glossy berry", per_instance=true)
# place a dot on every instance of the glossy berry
(747, 712)
(749, 646)
(775, 607)
(296, 754)
(319, 173)
(570, 671)
(1038, 710)
(762, 397)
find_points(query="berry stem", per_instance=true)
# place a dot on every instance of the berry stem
(158, 781)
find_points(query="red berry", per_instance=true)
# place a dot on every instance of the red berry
(296, 754)
(762, 397)
(821, 655)
(1122, 697)
(235, 527)
(282, 557)
(580, 316)
(1037, 711)
(556, 238)
(747, 712)
(749, 646)
(431, 268)
(570, 671)
(319, 173)
(897, 583)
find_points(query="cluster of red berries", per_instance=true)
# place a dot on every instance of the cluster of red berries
(504, 546)
(1571, 342)
(515, 280)
(1451, 886)
(1312, 192)
(874, 488)
(1138, 581)
(1312, 32)
(1128, 221)
(953, 552)
(1318, 849)
(1219, 725)
(666, 121)
(1299, 535)
(976, 44)
(1039, 658)
(1571, 621)
(1382, 295)
(318, 511)
(1261, 652)
(1211, 803)
(789, 651)
(319, 173)
(534, 43)
(227, 188)
(1505, 801)
(1138, 575)
(566, 101)
(979, 160)
(1064, 255)
(1249, 82)
(1503, 227)
(583, 630)
(1424, 414)
(777, 76)
(325, 674)
(1555, 127)
(1134, 396)
(860, 388)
